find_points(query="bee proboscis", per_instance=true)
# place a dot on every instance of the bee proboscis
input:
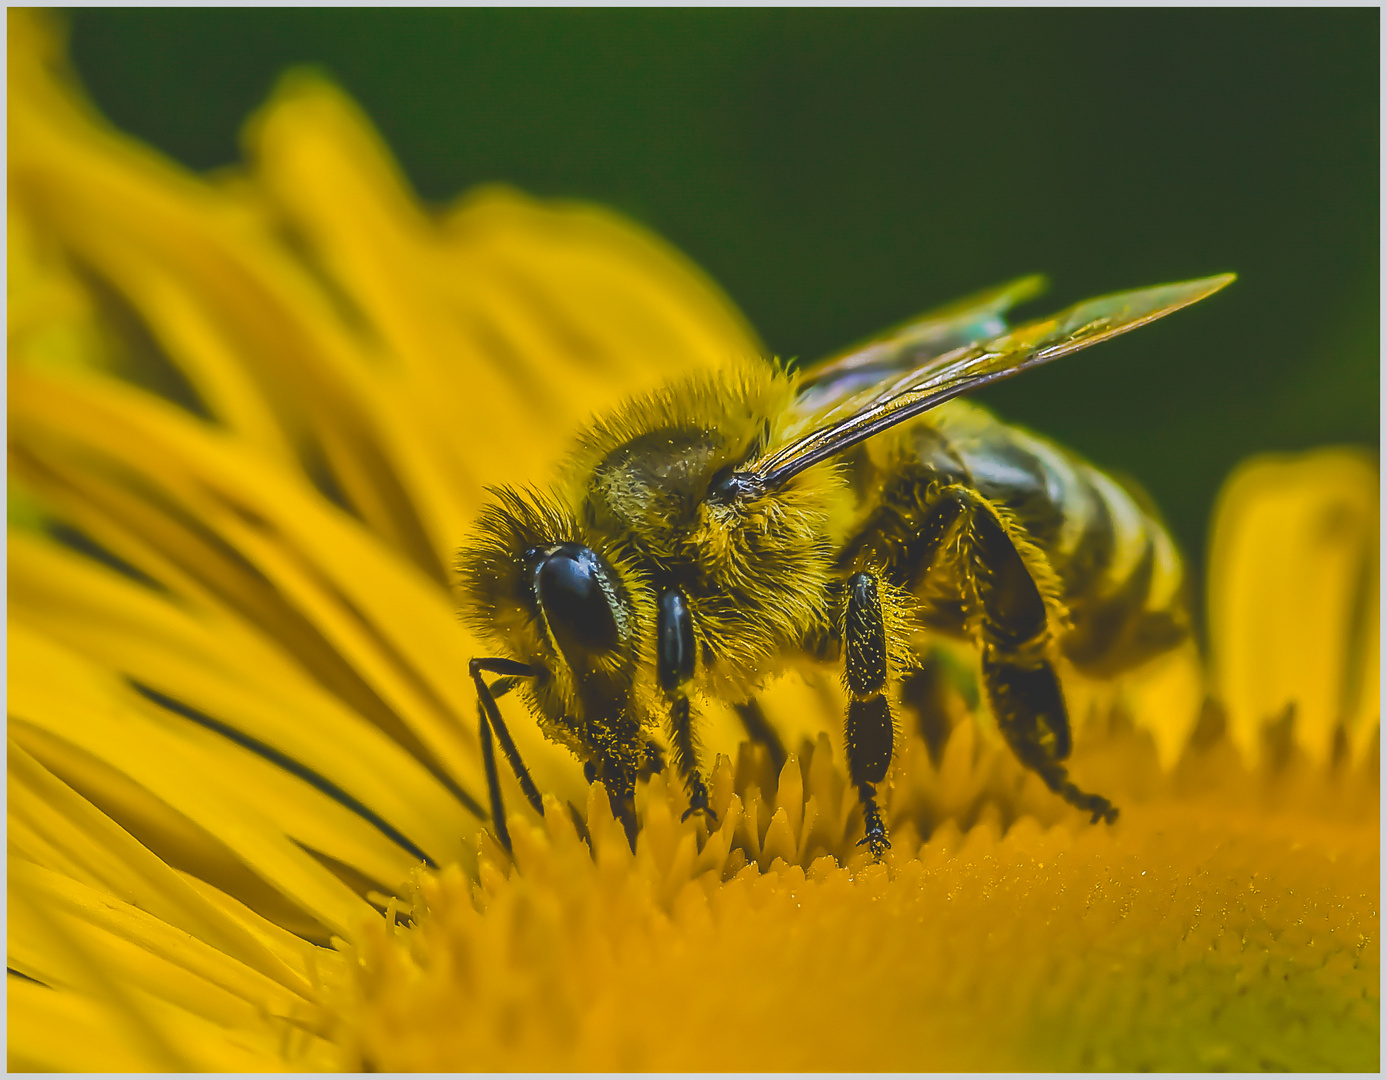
(703, 538)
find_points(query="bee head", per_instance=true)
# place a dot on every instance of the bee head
(540, 590)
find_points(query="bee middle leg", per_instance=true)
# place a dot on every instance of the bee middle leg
(686, 761)
(1015, 638)
(869, 732)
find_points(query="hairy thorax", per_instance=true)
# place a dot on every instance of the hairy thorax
(755, 573)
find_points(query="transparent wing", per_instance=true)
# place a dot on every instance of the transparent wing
(846, 420)
(912, 344)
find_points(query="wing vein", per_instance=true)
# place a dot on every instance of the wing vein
(840, 413)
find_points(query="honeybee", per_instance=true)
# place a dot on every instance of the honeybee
(703, 538)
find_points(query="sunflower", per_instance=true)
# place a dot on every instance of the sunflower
(251, 416)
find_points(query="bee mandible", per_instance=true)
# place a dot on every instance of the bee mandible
(706, 537)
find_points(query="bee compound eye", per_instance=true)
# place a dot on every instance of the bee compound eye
(569, 585)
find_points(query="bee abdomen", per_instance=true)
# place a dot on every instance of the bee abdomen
(1127, 597)
(1116, 568)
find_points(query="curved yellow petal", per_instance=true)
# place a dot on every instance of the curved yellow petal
(54, 691)
(142, 1038)
(208, 661)
(271, 550)
(510, 320)
(1163, 697)
(71, 835)
(58, 1030)
(1293, 600)
(215, 288)
(146, 953)
(41, 1025)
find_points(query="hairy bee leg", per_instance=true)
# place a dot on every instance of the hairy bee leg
(1028, 703)
(676, 657)
(759, 729)
(1018, 676)
(500, 666)
(868, 733)
(685, 760)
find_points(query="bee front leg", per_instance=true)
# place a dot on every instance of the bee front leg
(1014, 634)
(676, 656)
(869, 732)
(488, 722)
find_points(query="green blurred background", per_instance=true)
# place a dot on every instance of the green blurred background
(837, 171)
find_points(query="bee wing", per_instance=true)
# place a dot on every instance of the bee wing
(912, 344)
(847, 420)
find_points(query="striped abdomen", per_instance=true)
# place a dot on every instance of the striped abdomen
(1114, 566)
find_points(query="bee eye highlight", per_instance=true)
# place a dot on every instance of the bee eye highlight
(569, 586)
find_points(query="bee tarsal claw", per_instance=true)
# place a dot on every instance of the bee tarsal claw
(879, 846)
(700, 806)
(875, 831)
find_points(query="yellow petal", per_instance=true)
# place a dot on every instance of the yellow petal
(217, 666)
(74, 837)
(1293, 599)
(213, 284)
(126, 1020)
(371, 627)
(143, 952)
(1162, 697)
(55, 692)
(510, 320)
(42, 1023)
(55, 1030)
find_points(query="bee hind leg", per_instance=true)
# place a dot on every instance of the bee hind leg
(1029, 707)
(1014, 634)
(869, 732)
